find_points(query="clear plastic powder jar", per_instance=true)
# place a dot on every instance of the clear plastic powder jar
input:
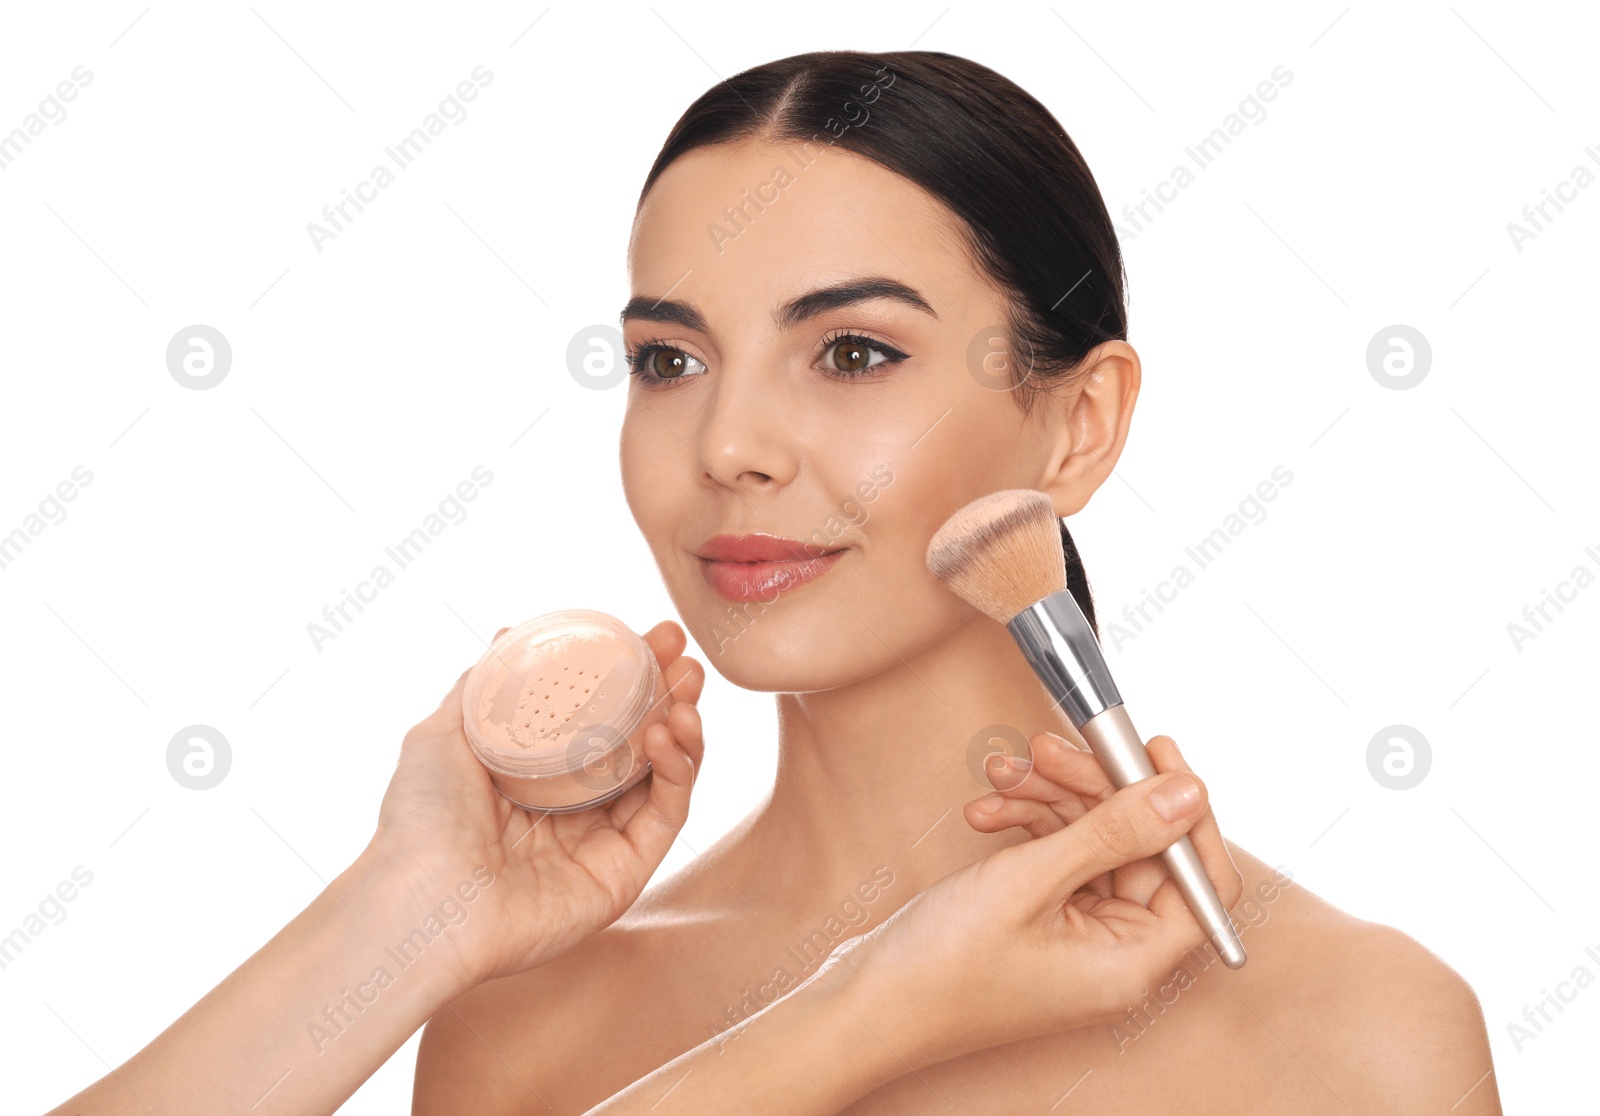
(557, 710)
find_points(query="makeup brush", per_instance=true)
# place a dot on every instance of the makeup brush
(1002, 554)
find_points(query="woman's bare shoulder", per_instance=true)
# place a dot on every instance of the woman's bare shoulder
(526, 1043)
(1407, 1025)
(1370, 1015)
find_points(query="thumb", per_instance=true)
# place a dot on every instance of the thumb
(1142, 819)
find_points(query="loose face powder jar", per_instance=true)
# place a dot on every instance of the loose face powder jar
(557, 709)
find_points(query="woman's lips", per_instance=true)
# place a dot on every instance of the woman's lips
(760, 566)
(750, 581)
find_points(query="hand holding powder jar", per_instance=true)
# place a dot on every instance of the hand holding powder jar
(557, 710)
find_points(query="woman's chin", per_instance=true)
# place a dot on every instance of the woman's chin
(773, 661)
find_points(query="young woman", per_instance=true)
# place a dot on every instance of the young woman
(828, 376)
(867, 289)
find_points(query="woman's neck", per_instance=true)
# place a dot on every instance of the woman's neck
(876, 773)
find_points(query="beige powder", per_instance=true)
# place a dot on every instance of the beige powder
(563, 689)
(543, 715)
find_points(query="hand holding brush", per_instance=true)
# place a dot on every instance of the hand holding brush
(1002, 554)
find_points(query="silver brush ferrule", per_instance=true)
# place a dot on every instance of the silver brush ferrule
(1058, 643)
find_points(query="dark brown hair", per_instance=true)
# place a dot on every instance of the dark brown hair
(1032, 215)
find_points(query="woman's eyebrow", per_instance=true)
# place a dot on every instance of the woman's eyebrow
(677, 312)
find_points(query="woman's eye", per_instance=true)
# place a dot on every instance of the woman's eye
(660, 362)
(851, 355)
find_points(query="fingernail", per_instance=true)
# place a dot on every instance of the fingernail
(1176, 797)
(1016, 763)
(988, 804)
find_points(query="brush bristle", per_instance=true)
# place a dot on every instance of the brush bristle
(1001, 553)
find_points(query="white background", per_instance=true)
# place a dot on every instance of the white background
(369, 379)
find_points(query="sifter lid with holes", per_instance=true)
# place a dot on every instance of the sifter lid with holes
(559, 693)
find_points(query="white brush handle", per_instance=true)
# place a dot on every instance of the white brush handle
(1117, 746)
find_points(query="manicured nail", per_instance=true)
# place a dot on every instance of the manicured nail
(1015, 763)
(1176, 797)
(988, 804)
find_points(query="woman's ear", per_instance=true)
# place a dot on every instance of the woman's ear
(1089, 424)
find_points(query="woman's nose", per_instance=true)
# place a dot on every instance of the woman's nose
(746, 436)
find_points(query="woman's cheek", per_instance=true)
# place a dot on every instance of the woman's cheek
(643, 478)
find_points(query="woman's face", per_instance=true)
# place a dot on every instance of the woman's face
(755, 418)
